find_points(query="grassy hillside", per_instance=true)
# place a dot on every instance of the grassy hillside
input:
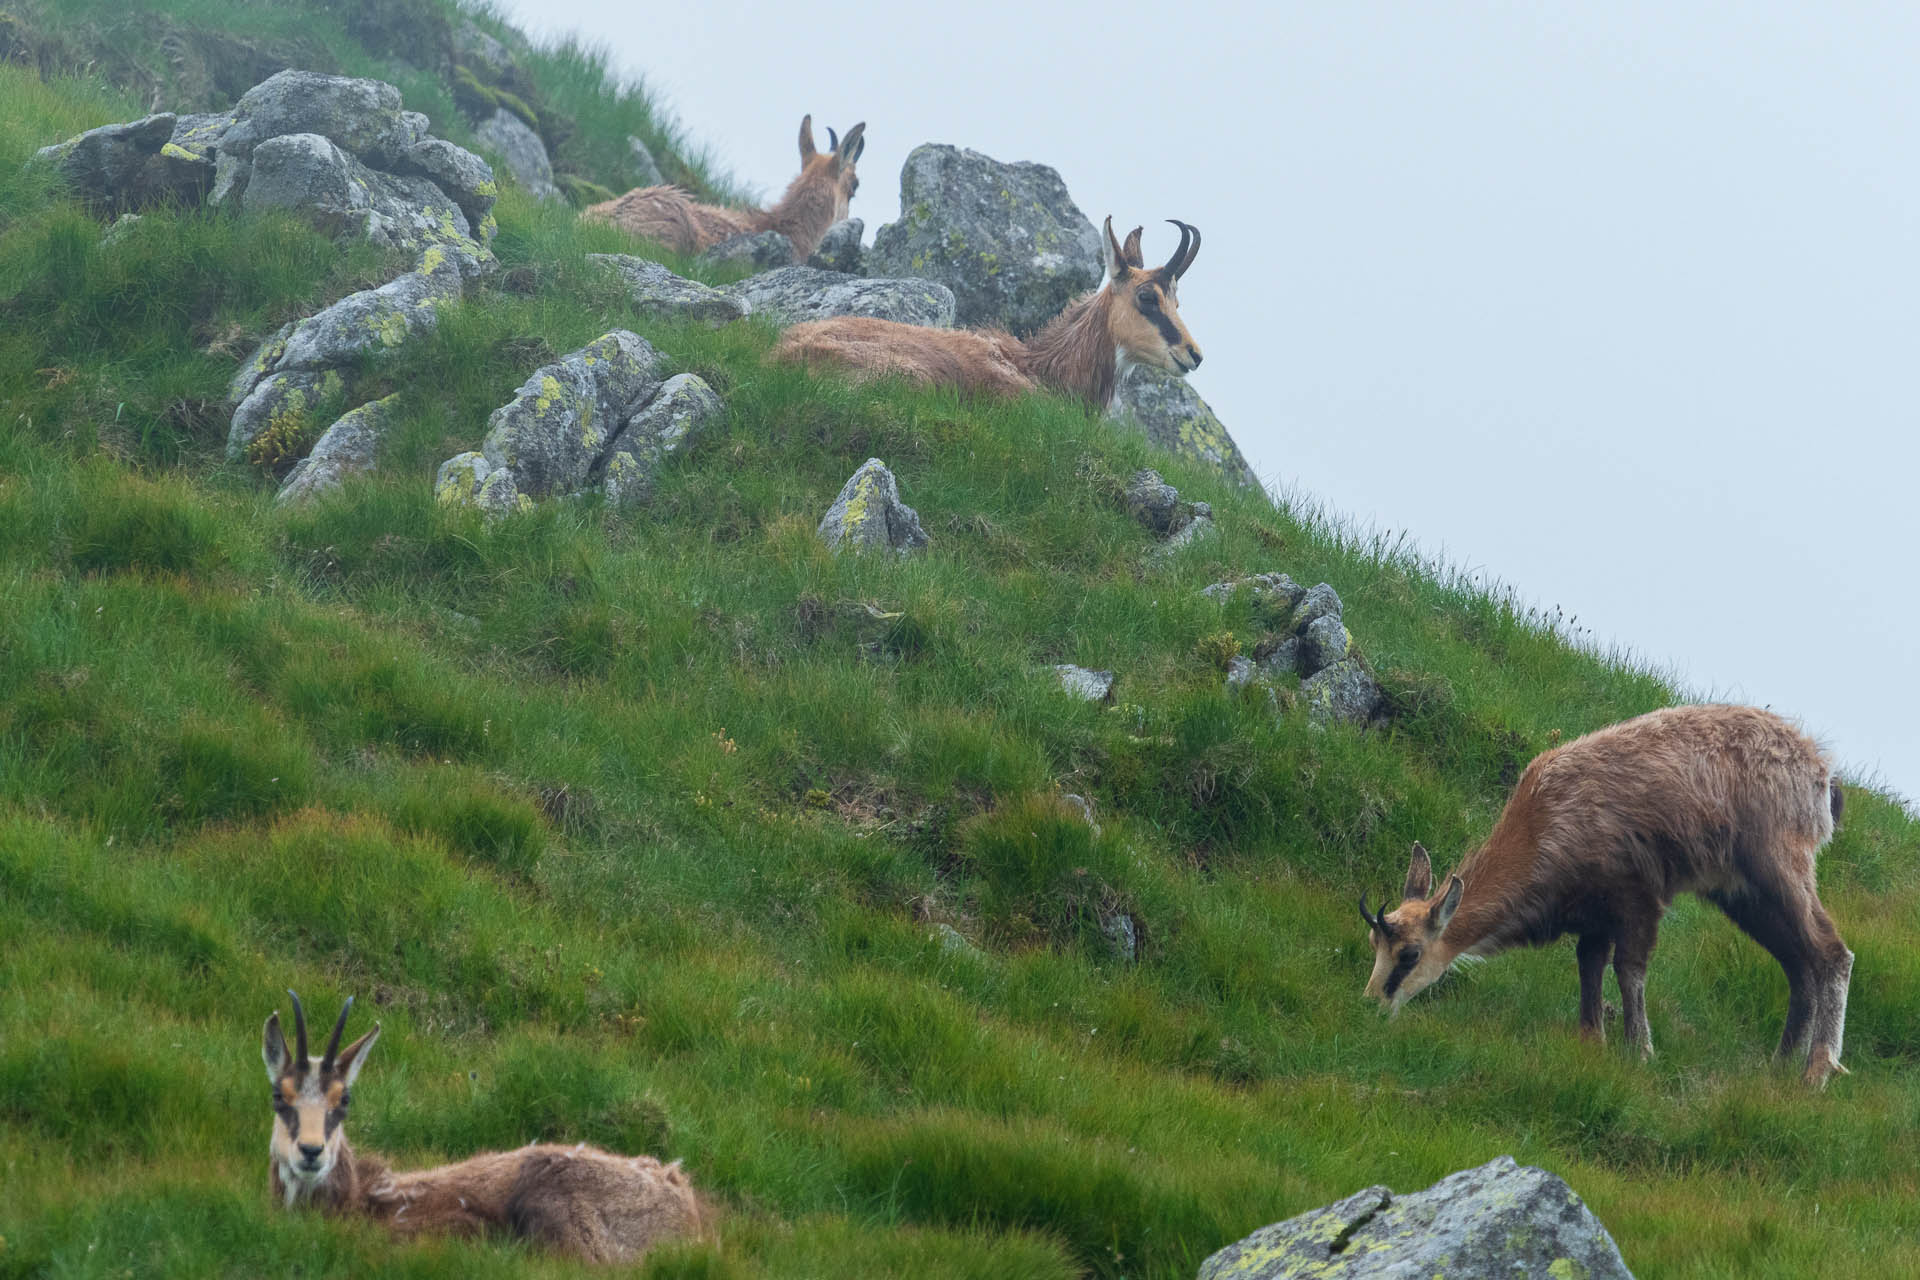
(635, 828)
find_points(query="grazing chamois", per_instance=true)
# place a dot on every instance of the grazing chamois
(814, 201)
(578, 1200)
(1730, 803)
(1134, 317)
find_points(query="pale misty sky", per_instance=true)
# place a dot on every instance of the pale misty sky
(1616, 303)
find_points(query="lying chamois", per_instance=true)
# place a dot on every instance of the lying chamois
(1730, 803)
(579, 1200)
(815, 200)
(1135, 317)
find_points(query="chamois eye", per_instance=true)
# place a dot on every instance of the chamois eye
(1146, 298)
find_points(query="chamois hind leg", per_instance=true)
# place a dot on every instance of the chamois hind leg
(1781, 929)
(1832, 973)
(1591, 954)
(1632, 948)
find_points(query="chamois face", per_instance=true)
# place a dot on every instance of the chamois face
(310, 1098)
(1144, 314)
(1408, 953)
(834, 167)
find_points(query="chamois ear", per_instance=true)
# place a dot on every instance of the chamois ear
(1419, 874)
(1437, 918)
(273, 1048)
(807, 150)
(850, 147)
(1130, 251)
(354, 1056)
(1116, 256)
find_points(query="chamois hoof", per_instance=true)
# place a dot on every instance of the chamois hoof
(1822, 1066)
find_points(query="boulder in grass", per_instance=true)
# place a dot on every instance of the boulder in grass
(470, 480)
(521, 150)
(869, 516)
(840, 249)
(348, 448)
(791, 295)
(1166, 408)
(555, 430)
(758, 250)
(1501, 1219)
(659, 292)
(1343, 691)
(1085, 683)
(363, 117)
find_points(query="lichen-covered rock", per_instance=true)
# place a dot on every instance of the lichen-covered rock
(1172, 414)
(1344, 691)
(307, 174)
(646, 171)
(349, 447)
(675, 415)
(869, 516)
(557, 427)
(363, 117)
(790, 295)
(1271, 588)
(1152, 501)
(659, 292)
(840, 249)
(1240, 673)
(1325, 642)
(1501, 1219)
(469, 480)
(521, 149)
(760, 250)
(1282, 656)
(1082, 682)
(1320, 601)
(463, 176)
(121, 167)
(286, 404)
(1006, 238)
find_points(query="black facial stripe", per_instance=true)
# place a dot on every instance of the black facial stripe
(1169, 334)
(1402, 966)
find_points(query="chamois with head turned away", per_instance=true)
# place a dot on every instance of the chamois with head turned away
(1729, 803)
(815, 200)
(1134, 317)
(576, 1200)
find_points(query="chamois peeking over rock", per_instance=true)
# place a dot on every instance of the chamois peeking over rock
(1134, 317)
(1730, 803)
(578, 1200)
(814, 202)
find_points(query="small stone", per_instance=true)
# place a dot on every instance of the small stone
(1282, 656)
(868, 515)
(470, 480)
(1266, 586)
(348, 448)
(683, 405)
(1240, 673)
(1321, 601)
(1152, 501)
(840, 249)
(1123, 935)
(555, 431)
(953, 942)
(1344, 691)
(1197, 524)
(1324, 642)
(1084, 807)
(760, 250)
(1081, 682)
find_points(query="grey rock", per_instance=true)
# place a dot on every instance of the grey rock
(308, 174)
(1006, 238)
(363, 117)
(1283, 657)
(1123, 935)
(1084, 807)
(470, 480)
(200, 135)
(1344, 691)
(283, 402)
(554, 432)
(646, 171)
(1094, 686)
(840, 248)
(868, 515)
(669, 421)
(1501, 1219)
(348, 448)
(659, 292)
(1240, 673)
(1172, 414)
(122, 167)
(121, 228)
(477, 49)
(462, 175)
(1320, 601)
(1271, 588)
(791, 295)
(520, 148)
(760, 250)
(1324, 642)
(1193, 524)
(1152, 501)
(953, 942)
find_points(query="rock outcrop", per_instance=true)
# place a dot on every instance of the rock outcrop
(790, 295)
(659, 292)
(1312, 642)
(349, 447)
(119, 168)
(1158, 507)
(869, 516)
(840, 249)
(1006, 238)
(1172, 415)
(521, 150)
(1501, 1219)
(757, 250)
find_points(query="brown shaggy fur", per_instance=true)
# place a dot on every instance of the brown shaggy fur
(816, 199)
(1730, 803)
(581, 1201)
(1137, 312)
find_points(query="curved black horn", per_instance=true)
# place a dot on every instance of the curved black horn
(299, 1032)
(333, 1045)
(1173, 267)
(1371, 922)
(833, 139)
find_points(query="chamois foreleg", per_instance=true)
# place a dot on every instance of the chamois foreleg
(1776, 925)
(1592, 954)
(1832, 973)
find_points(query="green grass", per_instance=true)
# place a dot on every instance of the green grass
(633, 828)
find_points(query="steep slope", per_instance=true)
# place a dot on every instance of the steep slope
(640, 827)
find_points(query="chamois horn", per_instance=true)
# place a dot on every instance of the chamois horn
(1374, 921)
(833, 139)
(333, 1045)
(1189, 249)
(299, 1031)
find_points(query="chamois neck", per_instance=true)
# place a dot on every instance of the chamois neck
(1499, 877)
(804, 213)
(344, 1190)
(1074, 353)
